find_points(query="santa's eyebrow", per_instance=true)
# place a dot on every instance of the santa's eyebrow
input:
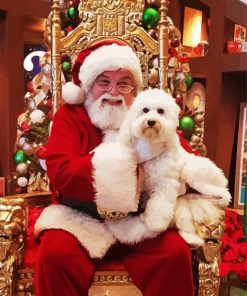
(125, 77)
(105, 76)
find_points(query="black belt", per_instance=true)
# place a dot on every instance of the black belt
(90, 208)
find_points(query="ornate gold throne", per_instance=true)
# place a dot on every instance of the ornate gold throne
(115, 19)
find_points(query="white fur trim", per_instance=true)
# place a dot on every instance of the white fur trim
(110, 58)
(72, 93)
(130, 230)
(115, 178)
(92, 234)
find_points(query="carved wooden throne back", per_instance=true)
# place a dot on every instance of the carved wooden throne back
(115, 20)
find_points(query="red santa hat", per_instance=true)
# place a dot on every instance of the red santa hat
(91, 62)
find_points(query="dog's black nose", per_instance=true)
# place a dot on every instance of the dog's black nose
(151, 122)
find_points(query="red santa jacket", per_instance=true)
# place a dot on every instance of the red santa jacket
(69, 166)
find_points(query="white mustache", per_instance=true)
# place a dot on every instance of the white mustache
(107, 96)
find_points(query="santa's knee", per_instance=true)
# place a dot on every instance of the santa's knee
(176, 249)
(180, 255)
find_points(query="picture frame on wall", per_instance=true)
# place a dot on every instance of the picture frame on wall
(241, 163)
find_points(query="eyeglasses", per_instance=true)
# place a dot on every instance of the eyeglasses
(122, 87)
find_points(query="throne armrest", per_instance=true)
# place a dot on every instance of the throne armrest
(13, 227)
(208, 256)
(13, 232)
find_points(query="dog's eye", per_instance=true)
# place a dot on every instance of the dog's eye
(161, 111)
(145, 110)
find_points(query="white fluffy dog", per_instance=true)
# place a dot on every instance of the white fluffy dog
(154, 118)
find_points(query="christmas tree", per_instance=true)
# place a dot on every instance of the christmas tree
(33, 131)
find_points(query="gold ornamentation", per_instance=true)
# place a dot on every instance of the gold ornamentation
(13, 226)
(111, 215)
(209, 256)
(163, 43)
(106, 277)
(56, 55)
(209, 279)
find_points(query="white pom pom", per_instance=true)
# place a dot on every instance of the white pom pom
(22, 181)
(37, 116)
(72, 93)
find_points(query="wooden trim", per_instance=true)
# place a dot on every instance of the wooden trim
(234, 62)
(236, 11)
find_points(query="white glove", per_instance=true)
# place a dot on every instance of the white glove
(146, 151)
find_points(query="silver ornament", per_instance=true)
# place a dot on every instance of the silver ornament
(21, 168)
(28, 149)
(22, 141)
(31, 105)
(37, 116)
(46, 69)
(22, 181)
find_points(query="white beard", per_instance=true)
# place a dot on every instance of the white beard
(104, 116)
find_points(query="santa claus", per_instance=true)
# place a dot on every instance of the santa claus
(94, 180)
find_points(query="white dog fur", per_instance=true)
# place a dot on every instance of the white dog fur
(154, 118)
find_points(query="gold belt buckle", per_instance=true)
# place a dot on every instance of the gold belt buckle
(111, 215)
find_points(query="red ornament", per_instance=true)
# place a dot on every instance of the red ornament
(179, 100)
(75, 3)
(18, 190)
(41, 152)
(183, 59)
(30, 87)
(174, 42)
(50, 114)
(25, 125)
(69, 29)
(48, 103)
(172, 51)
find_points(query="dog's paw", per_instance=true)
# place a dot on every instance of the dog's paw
(191, 238)
(222, 195)
(157, 216)
(157, 223)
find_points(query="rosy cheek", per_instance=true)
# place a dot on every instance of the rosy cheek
(128, 99)
(96, 92)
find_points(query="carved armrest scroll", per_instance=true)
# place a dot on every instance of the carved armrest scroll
(13, 227)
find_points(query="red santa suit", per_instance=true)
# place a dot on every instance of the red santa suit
(74, 238)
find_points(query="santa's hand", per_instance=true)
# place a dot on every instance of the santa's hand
(146, 151)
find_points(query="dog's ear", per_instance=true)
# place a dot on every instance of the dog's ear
(125, 135)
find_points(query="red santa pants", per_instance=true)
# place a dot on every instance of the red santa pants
(158, 267)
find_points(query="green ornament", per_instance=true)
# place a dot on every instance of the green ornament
(189, 81)
(66, 66)
(20, 157)
(72, 13)
(150, 18)
(187, 125)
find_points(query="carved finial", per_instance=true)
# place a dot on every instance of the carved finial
(163, 42)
